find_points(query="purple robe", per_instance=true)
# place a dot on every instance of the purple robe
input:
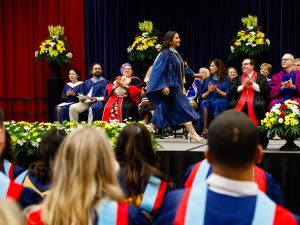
(278, 94)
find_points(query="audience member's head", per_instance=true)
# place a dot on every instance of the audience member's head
(136, 156)
(217, 67)
(168, 38)
(287, 61)
(126, 69)
(47, 152)
(265, 69)
(96, 70)
(248, 66)
(74, 75)
(233, 140)
(84, 173)
(2, 130)
(10, 213)
(232, 73)
(297, 64)
(204, 72)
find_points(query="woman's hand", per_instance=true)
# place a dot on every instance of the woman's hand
(166, 91)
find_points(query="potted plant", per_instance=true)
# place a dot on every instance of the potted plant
(55, 49)
(249, 41)
(146, 45)
(283, 119)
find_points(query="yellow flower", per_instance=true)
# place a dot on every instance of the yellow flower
(14, 138)
(259, 41)
(113, 139)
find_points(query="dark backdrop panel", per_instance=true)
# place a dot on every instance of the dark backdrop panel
(205, 28)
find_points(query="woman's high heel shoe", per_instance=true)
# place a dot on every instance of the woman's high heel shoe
(194, 137)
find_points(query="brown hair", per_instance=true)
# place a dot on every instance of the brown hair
(222, 73)
(137, 158)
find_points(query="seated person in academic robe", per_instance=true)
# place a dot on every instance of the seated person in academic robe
(229, 195)
(68, 96)
(143, 183)
(193, 92)
(38, 176)
(213, 94)
(250, 93)
(85, 187)
(123, 97)
(285, 84)
(198, 173)
(92, 96)
(233, 76)
(8, 159)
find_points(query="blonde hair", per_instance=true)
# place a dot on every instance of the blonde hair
(206, 70)
(85, 171)
(267, 65)
(10, 213)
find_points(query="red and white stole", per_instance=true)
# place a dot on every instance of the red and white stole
(9, 188)
(247, 95)
(192, 208)
(153, 195)
(112, 213)
(198, 173)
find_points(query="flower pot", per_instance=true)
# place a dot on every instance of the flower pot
(289, 145)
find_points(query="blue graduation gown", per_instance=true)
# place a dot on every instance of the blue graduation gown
(151, 196)
(64, 112)
(218, 209)
(214, 103)
(99, 90)
(173, 109)
(111, 213)
(272, 187)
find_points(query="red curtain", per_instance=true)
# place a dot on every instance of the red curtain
(23, 26)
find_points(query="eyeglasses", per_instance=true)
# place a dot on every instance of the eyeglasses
(246, 64)
(286, 59)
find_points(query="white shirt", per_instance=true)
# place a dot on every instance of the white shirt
(254, 85)
(235, 188)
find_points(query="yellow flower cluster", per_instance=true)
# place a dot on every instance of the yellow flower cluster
(249, 21)
(26, 136)
(56, 30)
(145, 46)
(142, 43)
(146, 26)
(250, 40)
(283, 118)
(54, 48)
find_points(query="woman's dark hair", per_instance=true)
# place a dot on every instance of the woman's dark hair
(137, 158)
(167, 39)
(47, 150)
(76, 71)
(7, 152)
(222, 72)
